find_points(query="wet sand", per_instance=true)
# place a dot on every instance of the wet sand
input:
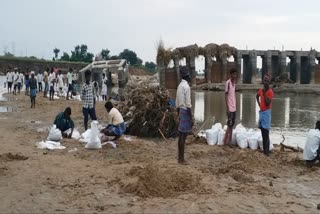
(141, 175)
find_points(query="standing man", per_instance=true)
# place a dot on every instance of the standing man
(46, 82)
(26, 81)
(88, 99)
(20, 81)
(75, 83)
(264, 99)
(40, 79)
(231, 104)
(183, 103)
(69, 79)
(15, 80)
(52, 80)
(33, 90)
(9, 80)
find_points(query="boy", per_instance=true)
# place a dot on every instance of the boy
(311, 152)
(230, 97)
(265, 103)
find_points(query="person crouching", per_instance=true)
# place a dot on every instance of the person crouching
(64, 122)
(311, 152)
(116, 126)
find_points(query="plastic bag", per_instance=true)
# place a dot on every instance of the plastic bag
(221, 134)
(54, 134)
(212, 136)
(217, 126)
(252, 139)
(75, 134)
(51, 145)
(260, 143)
(94, 142)
(233, 138)
(241, 137)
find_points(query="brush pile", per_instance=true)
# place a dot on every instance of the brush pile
(144, 109)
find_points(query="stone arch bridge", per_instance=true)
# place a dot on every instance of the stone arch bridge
(302, 68)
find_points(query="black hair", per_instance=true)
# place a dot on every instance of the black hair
(87, 73)
(108, 106)
(233, 70)
(70, 69)
(67, 111)
(318, 124)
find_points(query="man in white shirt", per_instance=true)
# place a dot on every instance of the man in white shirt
(69, 79)
(9, 80)
(183, 104)
(311, 152)
(116, 126)
(20, 81)
(52, 80)
(39, 79)
(15, 80)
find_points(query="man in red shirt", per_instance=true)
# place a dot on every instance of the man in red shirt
(264, 99)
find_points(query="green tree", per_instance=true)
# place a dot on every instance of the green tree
(130, 56)
(150, 65)
(105, 54)
(65, 57)
(56, 52)
(81, 54)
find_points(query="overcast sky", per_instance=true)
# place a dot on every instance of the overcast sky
(35, 27)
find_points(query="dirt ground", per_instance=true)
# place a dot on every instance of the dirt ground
(141, 175)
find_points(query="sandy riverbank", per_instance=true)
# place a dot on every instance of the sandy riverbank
(140, 175)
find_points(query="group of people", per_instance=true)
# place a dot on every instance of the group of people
(116, 125)
(183, 104)
(51, 79)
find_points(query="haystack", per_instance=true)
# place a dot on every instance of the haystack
(190, 51)
(164, 55)
(212, 49)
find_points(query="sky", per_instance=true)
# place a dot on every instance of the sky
(36, 27)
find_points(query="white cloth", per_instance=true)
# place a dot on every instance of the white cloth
(10, 76)
(183, 99)
(312, 144)
(75, 77)
(114, 117)
(69, 77)
(104, 90)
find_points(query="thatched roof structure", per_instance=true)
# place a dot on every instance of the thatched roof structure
(212, 49)
(226, 51)
(188, 51)
(163, 55)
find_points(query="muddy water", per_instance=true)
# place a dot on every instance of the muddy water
(292, 114)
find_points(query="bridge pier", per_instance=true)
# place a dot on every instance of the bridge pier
(208, 63)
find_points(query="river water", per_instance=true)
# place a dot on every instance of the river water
(292, 114)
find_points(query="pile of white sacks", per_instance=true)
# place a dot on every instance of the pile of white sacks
(240, 136)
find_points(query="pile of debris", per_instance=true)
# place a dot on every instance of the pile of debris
(144, 108)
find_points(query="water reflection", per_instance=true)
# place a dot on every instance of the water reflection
(298, 111)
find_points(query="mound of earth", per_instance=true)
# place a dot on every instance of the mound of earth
(155, 182)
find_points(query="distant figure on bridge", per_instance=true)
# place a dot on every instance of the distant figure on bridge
(264, 100)
(231, 104)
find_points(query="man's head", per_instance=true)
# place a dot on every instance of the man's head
(184, 73)
(32, 74)
(318, 124)
(103, 75)
(67, 112)
(266, 81)
(48, 69)
(233, 74)
(108, 106)
(70, 70)
(87, 75)
(59, 71)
